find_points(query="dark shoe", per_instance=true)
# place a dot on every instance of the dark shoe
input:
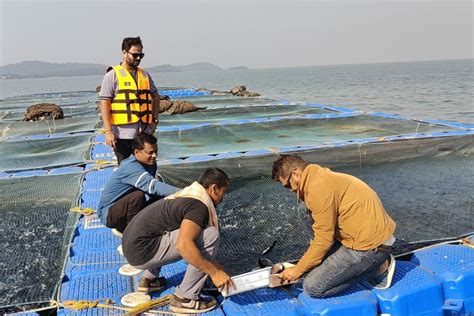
(147, 285)
(188, 306)
(383, 280)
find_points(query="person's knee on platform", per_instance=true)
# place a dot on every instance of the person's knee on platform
(314, 289)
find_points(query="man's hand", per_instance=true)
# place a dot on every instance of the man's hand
(110, 139)
(222, 280)
(291, 274)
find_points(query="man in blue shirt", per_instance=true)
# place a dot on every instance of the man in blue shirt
(133, 185)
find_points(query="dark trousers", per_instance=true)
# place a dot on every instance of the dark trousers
(341, 267)
(123, 149)
(123, 211)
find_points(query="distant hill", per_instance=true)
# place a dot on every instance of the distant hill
(239, 68)
(38, 69)
(190, 67)
(163, 68)
(41, 69)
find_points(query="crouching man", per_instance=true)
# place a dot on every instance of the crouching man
(181, 226)
(352, 234)
(133, 185)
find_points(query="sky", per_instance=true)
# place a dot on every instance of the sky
(256, 34)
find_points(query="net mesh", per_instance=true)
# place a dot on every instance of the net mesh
(428, 197)
(289, 132)
(66, 125)
(35, 229)
(213, 115)
(215, 101)
(42, 153)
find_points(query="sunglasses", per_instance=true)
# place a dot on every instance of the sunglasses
(137, 55)
(288, 185)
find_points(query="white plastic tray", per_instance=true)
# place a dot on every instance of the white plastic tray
(249, 281)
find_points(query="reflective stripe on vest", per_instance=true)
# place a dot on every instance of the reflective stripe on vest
(132, 103)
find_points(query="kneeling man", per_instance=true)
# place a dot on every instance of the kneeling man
(133, 185)
(352, 233)
(181, 226)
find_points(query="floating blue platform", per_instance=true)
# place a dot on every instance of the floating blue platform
(356, 300)
(414, 291)
(454, 265)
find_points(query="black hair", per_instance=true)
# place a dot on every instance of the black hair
(214, 176)
(285, 164)
(128, 42)
(139, 141)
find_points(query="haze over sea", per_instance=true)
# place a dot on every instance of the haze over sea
(427, 89)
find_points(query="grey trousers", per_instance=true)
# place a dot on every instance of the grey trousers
(194, 279)
(341, 267)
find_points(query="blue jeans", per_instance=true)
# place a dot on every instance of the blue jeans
(341, 267)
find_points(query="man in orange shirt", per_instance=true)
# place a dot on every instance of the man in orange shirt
(352, 233)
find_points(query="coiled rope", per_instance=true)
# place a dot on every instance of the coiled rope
(141, 308)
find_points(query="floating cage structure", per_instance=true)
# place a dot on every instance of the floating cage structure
(423, 171)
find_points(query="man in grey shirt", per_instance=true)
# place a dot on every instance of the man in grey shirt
(129, 100)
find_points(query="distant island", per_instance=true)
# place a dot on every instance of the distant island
(41, 69)
(238, 68)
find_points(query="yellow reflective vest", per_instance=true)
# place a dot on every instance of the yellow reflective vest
(133, 102)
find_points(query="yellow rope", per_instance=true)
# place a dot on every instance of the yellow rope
(104, 162)
(141, 308)
(100, 164)
(84, 211)
(80, 305)
(146, 306)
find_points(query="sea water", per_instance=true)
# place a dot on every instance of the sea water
(430, 89)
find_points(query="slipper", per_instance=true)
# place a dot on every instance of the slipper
(120, 250)
(128, 269)
(135, 298)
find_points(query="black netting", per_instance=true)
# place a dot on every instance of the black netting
(429, 197)
(35, 229)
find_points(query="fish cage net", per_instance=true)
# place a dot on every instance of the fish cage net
(222, 114)
(80, 111)
(42, 153)
(221, 138)
(35, 231)
(429, 197)
(48, 127)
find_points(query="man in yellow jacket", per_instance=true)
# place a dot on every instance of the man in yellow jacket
(352, 234)
(129, 100)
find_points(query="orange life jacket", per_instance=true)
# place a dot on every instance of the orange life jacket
(133, 102)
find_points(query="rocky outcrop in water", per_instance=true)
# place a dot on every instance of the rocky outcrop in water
(240, 91)
(43, 111)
